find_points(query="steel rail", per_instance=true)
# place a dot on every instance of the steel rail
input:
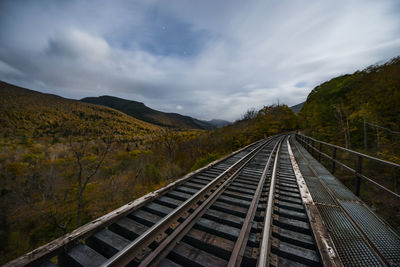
(126, 255)
(355, 172)
(167, 245)
(263, 259)
(241, 242)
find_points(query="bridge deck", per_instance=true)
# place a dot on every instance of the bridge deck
(359, 235)
(269, 204)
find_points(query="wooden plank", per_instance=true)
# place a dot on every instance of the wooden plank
(301, 216)
(289, 205)
(216, 228)
(218, 246)
(47, 264)
(157, 209)
(240, 190)
(224, 218)
(293, 237)
(299, 254)
(287, 189)
(188, 255)
(169, 202)
(289, 194)
(185, 189)
(289, 199)
(195, 186)
(82, 255)
(293, 224)
(252, 182)
(199, 181)
(107, 242)
(128, 228)
(167, 263)
(238, 195)
(238, 211)
(178, 195)
(241, 185)
(144, 217)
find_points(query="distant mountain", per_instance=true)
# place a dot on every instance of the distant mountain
(30, 114)
(219, 123)
(142, 112)
(296, 108)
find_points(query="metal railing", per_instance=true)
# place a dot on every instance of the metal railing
(311, 144)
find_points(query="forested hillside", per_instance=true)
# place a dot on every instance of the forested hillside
(29, 114)
(64, 162)
(359, 111)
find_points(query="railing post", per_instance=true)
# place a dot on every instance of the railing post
(319, 152)
(358, 171)
(312, 148)
(333, 160)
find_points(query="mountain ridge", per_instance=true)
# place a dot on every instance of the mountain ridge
(296, 108)
(219, 123)
(142, 112)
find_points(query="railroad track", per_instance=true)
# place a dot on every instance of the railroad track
(245, 210)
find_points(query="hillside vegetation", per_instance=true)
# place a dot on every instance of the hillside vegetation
(25, 113)
(142, 112)
(335, 111)
(65, 162)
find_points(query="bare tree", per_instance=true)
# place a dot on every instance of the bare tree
(169, 139)
(250, 114)
(343, 119)
(87, 168)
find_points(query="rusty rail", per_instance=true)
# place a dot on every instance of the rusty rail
(263, 259)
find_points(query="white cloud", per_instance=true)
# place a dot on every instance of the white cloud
(6, 69)
(246, 53)
(78, 44)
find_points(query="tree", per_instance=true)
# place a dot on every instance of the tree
(89, 159)
(169, 140)
(343, 118)
(250, 114)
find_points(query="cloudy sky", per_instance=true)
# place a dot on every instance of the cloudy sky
(208, 59)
